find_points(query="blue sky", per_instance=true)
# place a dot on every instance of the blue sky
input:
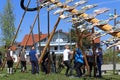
(29, 18)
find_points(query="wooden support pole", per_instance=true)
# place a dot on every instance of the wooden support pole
(4, 62)
(3, 65)
(80, 37)
(48, 18)
(114, 50)
(39, 34)
(31, 29)
(94, 52)
(49, 39)
(33, 37)
(20, 23)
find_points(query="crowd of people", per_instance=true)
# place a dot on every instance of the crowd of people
(94, 61)
(33, 60)
(76, 62)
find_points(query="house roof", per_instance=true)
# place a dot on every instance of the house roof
(30, 41)
(13, 47)
(42, 36)
(97, 40)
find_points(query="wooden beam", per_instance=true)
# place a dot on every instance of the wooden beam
(20, 23)
(31, 29)
(49, 39)
(4, 62)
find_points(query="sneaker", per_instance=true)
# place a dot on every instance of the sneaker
(37, 74)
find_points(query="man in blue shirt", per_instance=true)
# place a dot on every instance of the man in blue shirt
(34, 61)
(78, 61)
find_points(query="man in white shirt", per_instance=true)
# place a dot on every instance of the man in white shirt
(66, 60)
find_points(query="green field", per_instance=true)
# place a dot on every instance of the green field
(28, 76)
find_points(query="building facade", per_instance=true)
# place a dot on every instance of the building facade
(59, 40)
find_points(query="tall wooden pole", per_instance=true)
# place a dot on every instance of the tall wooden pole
(80, 37)
(48, 42)
(31, 29)
(48, 18)
(94, 52)
(39, 34)
(20, 23)
(114, 58)
(3, 65)
(33, 37)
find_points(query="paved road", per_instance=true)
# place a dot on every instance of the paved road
(110, 67)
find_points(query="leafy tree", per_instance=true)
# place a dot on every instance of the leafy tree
(86, 42)
(108, 56)
(7, 23)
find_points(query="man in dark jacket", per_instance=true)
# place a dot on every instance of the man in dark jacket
(99, 61)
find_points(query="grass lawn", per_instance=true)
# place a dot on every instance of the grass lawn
(52, 76)
(28, 76)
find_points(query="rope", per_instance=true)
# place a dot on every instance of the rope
(26, 8)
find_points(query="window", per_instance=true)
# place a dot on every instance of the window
(54, 39)
(61, 47)
(55, 48)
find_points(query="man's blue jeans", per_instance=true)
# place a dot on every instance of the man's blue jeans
(35, 67)
(99, 69)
